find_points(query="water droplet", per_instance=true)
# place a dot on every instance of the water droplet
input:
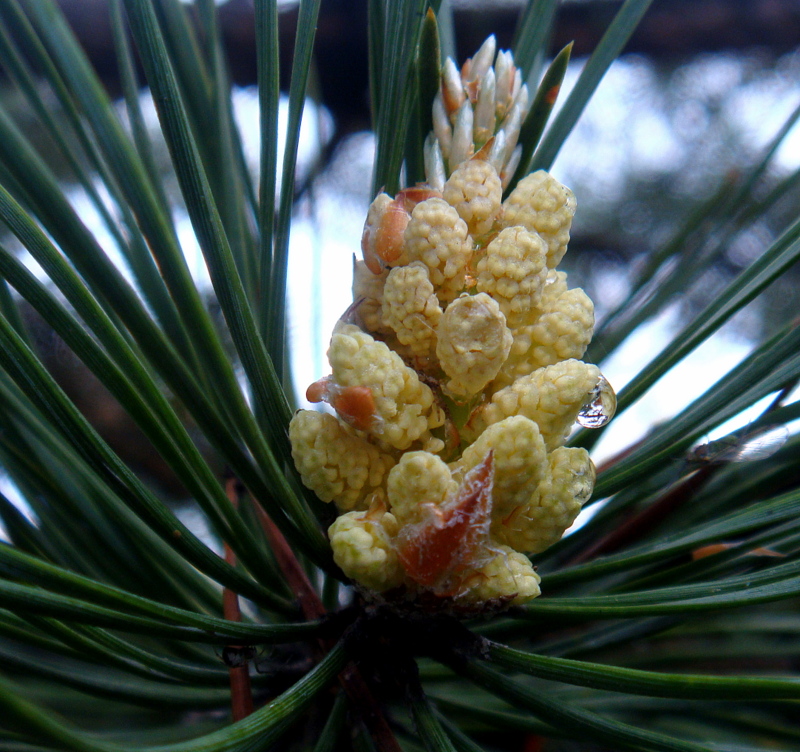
(585, 486)
(601, 406)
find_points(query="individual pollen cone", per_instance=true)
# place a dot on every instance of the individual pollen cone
(454, 394)
(559, 328)
(508, 578)
(551, 397)
(474, 342)
(475, 191)
(520, 461)
(362, 545)
(567, 484)
(438, 237)
(411, 308)
(382, 241)
(513, 271)
(417, 476)
(336, 464)
(541, 204)
(404, 406)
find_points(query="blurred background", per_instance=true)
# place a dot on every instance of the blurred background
(703, 87)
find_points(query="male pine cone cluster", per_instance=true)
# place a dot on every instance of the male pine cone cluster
(458, 377)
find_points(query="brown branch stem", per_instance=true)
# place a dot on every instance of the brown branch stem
(640, 524)
(351, 680)
(307, 597)
(241, 690)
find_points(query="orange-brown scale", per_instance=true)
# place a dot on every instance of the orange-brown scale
(453, 537)
(410, 197)
(355, 405)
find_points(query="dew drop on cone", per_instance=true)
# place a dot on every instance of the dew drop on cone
(601, 406)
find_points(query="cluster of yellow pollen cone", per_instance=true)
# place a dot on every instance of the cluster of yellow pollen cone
(456, 379)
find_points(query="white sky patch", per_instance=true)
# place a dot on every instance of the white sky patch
(793, 396)
(599, 147)
(325, 236)
(306, 309)
(762, 108)
(191, 249)
(91, 217)
(675, 390)
(315, 129)
(197, 522)
(615, 283)
(652, 142)
(9, 489)
(583, 517)
(710, 75)
(633, 124)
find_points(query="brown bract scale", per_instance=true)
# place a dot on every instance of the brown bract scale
(410, 197)
(452, 537)
(318, 391)
(355, 405)
(382, 238)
